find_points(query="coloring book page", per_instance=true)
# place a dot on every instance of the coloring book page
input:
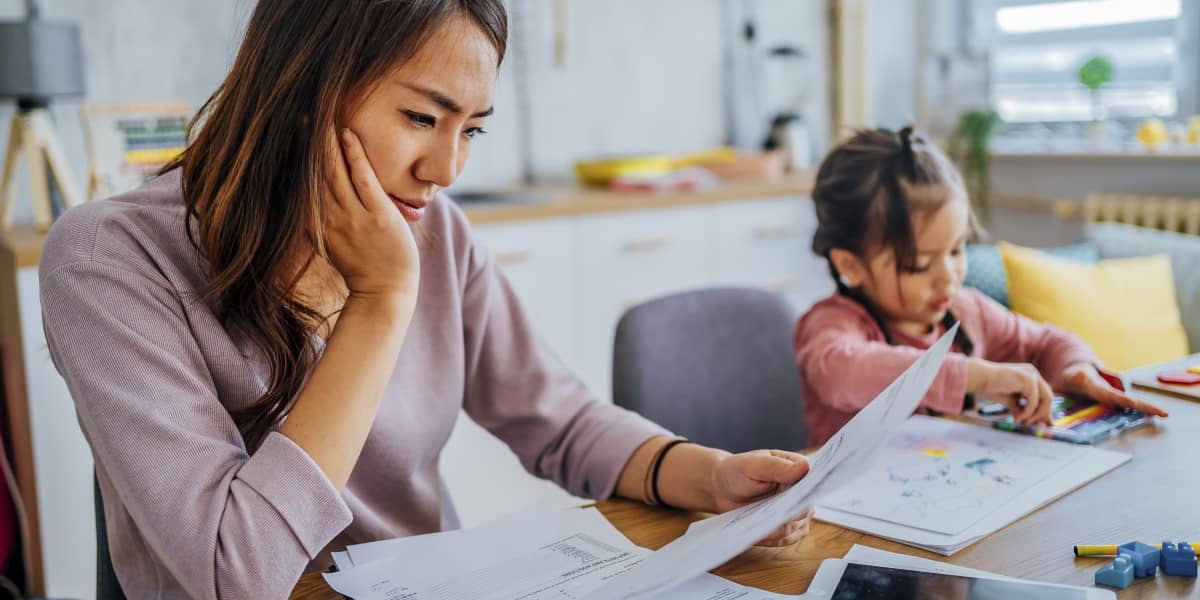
(944, 476)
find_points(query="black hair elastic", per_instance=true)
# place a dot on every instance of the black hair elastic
(658, 464)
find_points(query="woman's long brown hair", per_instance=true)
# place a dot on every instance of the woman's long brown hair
(252, 174)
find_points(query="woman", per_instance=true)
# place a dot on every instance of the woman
(269, 343)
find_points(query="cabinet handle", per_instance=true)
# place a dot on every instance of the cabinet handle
(780, 285)
(512, 257)
(646, 244)
(769, 232)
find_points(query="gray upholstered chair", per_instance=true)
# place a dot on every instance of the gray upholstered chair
(713, 365)
(107, 586)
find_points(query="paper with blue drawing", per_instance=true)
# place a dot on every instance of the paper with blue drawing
(944, 485)
(944, 476)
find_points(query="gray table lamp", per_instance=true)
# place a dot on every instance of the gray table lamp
(39, 61)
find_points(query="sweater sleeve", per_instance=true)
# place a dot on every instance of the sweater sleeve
(519, 390)
(846, 366)
(1015, 338)
(224, 523)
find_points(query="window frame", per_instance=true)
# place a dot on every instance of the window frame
(982, 37)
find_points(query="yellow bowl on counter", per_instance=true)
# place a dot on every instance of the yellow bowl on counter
(603, 171)
(721, 155)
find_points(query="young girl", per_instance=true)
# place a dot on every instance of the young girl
(892, 220)
(267, 362)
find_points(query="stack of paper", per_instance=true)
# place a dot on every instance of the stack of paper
(534, 555)
(943, 485)
(577, 554)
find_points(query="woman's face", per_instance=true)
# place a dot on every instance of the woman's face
(417, 124)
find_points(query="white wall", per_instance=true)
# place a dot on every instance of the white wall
(638, 77)
(891, 62)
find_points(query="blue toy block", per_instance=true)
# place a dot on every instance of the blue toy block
(1118, 573)
(1178, 559)
(1145, 558)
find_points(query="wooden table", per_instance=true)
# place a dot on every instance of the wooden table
(1151, 498)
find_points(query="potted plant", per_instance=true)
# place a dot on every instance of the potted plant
(970, 147)
(1093, 75)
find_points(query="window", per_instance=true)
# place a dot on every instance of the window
(1036, 48)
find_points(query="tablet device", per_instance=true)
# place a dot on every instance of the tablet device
(838, 579)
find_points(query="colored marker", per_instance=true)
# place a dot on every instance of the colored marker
(1111, 549)
(1087, 413)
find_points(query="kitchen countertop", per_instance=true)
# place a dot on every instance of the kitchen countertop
(547, 201)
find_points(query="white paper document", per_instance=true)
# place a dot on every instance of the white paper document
(713, 541)
(945, 484)
(534, 555)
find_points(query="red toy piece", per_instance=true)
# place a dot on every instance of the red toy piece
(1179, 378)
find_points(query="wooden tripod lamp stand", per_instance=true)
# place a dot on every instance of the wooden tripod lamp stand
(39, 60)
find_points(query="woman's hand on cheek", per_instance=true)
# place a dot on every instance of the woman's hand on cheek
(367, 238)
(745, 478)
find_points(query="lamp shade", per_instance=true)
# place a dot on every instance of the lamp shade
(40, 60)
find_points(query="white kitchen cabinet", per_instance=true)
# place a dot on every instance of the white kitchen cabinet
(536, 256)
(767, 243)
(625, 259)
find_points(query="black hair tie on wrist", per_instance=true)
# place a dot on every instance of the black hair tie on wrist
(658, 465)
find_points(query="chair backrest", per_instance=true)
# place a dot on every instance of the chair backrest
(713, 365)
(107, 586)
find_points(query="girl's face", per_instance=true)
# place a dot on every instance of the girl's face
(914, 301)
(418, 122)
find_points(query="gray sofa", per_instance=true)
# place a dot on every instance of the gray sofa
(1109, 240)
(1115, 240)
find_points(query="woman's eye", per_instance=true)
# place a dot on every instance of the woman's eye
(474, 131)
(420, 120)
(917, 269)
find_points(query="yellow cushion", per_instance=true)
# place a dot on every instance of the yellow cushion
(1124, 308)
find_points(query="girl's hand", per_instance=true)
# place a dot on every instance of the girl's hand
(745, 478)
(1083, 379)
(1019, 386)
(367, 238)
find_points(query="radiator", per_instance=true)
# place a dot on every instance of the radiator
(1169, 213)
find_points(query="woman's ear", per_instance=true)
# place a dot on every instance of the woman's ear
(850, 268)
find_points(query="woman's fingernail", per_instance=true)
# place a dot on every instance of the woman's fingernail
(346, 137)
